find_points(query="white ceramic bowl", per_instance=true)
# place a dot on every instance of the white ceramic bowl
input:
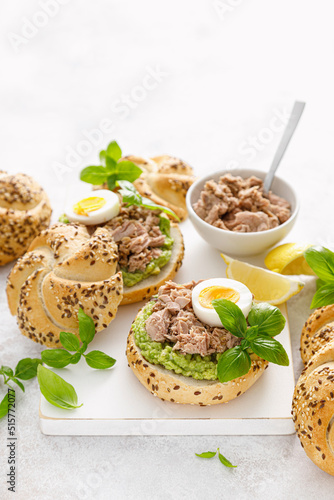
(242, 244)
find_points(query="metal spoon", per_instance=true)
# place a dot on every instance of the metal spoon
(297, 112)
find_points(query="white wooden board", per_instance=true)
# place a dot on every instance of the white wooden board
(115, 402)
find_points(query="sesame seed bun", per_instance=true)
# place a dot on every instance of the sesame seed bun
(165, 180)
(149, 286)
(65, 269)
(313, 408)
(317, 332)
(169, 386)
(24, 211)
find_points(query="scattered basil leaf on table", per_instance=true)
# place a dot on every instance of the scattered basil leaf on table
(321, 261)
(324, 296)
(56, 390)
(26, 369)
(100, 360)
(69, 341)
(206, 454)
(57, 358)
(4, 405)
(224, 460)
(86, 327)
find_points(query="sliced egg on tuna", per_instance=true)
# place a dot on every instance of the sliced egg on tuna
(101, 206)
(219, 288)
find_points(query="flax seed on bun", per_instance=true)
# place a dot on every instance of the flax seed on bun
(313, 408)
(65, 269)
(317, 332)
(149, 286)
(24, 212)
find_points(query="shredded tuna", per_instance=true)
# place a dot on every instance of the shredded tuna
(173, 320)
(238, 204)
(137, 234)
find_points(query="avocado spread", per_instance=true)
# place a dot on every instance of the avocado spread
(189, 365)
(154, 267)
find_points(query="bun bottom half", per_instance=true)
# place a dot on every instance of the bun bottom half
(169, 386)
(149, 286)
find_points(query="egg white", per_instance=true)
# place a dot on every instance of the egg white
(209, 316)
(109, 210)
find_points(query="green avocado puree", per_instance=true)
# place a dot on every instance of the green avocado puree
(157, 353)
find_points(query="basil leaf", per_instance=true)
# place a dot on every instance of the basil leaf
(102, 156)
(206, 454)
(75, 358)
(224, 460)
(164, 225)
(232, 364)
(57, 358)
(324, 296)
(270, 349)
(231, 316)
(27, 368)
(7, 371)
(110, 166)
(319, 283)
(83, 348)
(94, 175)
(56, 390)
(111, 181)
(127, 170)
(69, 341)
(99, 360)
(86, 327)
(21, 386)
(251, 334)
(321, 261)
(114, 151)
(267, 318)
(4, 406)
(64, 219)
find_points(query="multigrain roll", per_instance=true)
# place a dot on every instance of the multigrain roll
(24, 211)
(165, 180)
(313, 408)
(317, 332)
(65, 269)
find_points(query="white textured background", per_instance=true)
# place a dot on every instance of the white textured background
(226, 69)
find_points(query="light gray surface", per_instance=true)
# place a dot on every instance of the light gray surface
(225, 78)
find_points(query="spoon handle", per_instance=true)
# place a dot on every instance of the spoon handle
(297, 112)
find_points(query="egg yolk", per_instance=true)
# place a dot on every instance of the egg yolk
(207, 295)
(83, 207)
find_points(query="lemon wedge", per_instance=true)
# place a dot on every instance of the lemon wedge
(288, 259)
(266, 286)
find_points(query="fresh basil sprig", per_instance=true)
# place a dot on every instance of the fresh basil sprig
(265, 322)
(321, 261)
(211, 454)
(56, 390)
(112, 169)
(131, 196)
(59, 358)
(4, 405)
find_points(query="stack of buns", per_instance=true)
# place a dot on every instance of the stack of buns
(313, 400)
(24, 211)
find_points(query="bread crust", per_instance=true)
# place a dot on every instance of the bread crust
(149, 286)
(318, 330)
(165, 180)
(65, 269)
(24, 211)
(169, 386)
(313, 408)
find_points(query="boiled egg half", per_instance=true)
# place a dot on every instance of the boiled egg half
(219, 288)
(100, 206)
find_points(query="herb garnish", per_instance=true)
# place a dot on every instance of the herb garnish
(321, 261)
(56, 390)
(112, 168)
(119, 173)
(211, 454)
(265, 322)
(59, 358)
